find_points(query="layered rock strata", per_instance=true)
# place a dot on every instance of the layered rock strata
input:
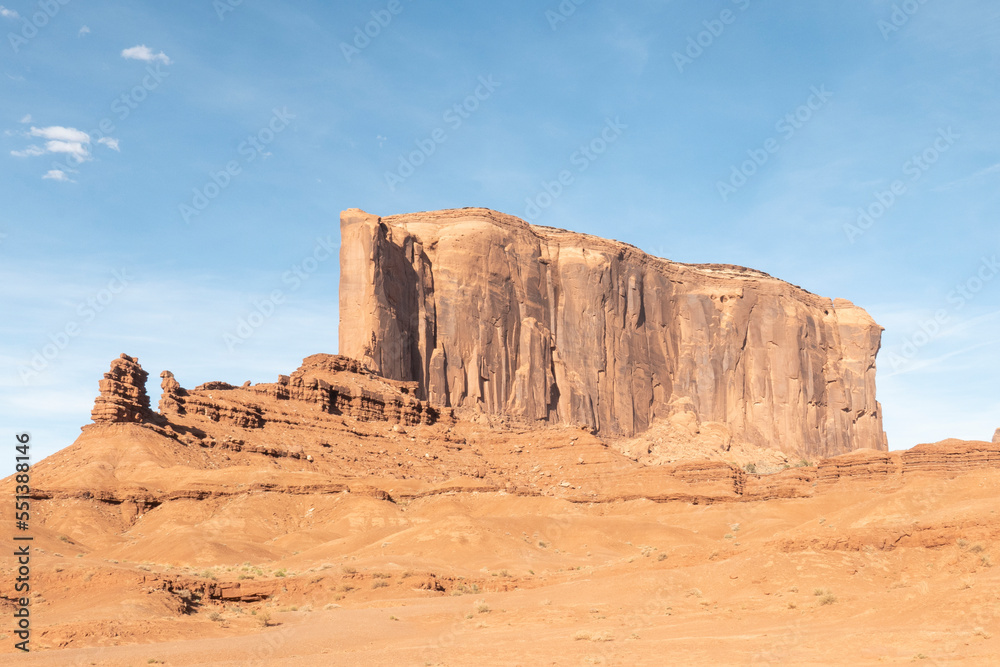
(488, 314)
(329, 383)
(123, 395)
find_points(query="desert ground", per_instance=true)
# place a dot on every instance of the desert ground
(556, 550)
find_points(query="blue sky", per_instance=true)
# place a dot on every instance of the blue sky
(168, 169)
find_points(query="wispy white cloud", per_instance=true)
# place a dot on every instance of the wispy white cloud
(84, 30)
(26, 118)
(61, 139)
(954, 341)
(59, 133)
(8, 13)
(56, 175)
(981, 175)
(144, 53)
(30, 151)
(923, 364)
(65, 141)
(71, 147)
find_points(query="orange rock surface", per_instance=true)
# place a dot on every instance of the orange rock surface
(490, 315)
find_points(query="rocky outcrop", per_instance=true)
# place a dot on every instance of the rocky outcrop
(488, 314)
(171, 394)
(996, 437)
(352, 390)
(123, 395)
(948, 457)
(328, 383)
(860, 465)
(175, 400)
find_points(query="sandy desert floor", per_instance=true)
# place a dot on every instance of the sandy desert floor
(859, 574)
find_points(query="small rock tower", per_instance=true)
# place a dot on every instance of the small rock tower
(123, 396)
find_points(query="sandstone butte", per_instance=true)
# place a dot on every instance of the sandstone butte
(488, 314)
(707, 484)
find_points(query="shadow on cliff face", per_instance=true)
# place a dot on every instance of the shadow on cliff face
(400, 305)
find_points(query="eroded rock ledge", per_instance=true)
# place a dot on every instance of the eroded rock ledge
(333, 384)
(333, 427)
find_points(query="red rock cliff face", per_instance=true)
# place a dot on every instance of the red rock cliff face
(490, 314)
